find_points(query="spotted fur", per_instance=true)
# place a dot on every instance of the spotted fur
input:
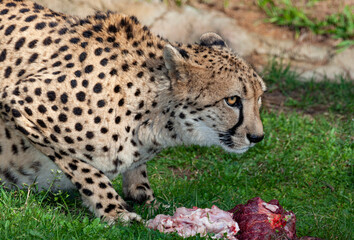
(84, 100)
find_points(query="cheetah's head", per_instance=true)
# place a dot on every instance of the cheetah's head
(219, 94)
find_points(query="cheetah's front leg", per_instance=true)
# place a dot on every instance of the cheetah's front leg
(136, 185)
(96, 190)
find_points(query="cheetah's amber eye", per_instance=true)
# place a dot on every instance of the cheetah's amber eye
(232, 101)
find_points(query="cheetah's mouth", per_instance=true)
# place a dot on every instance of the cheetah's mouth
(229, 145)
(225, 139)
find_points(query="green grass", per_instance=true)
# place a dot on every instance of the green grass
(335, 95)
(304, 162)
(338, 25)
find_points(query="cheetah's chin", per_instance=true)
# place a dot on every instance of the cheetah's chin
(233, 150)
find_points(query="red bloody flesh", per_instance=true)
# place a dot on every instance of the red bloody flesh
(259, 220)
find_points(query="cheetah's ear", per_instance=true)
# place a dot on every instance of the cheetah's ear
(212, 39)
(172, 57)
(174, 61)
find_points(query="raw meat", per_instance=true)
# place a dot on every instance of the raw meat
(259, 220)
(189, 222)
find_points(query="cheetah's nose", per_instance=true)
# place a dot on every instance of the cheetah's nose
(255, 138)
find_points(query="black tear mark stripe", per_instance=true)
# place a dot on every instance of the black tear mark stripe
(226, 137)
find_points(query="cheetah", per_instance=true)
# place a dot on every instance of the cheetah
(84, 100)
